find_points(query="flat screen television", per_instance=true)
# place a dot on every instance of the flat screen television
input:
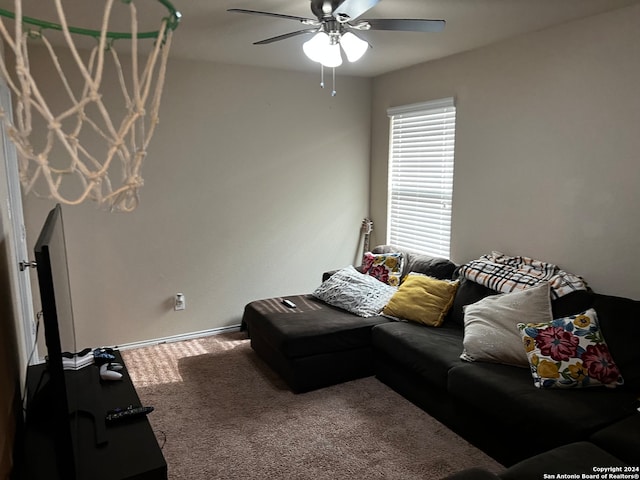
(65, 418)
(66, 406)
(55, 398)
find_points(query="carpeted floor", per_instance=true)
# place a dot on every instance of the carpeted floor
(223, 414)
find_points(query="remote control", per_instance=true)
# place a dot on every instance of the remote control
(288, 303)
(130, 412)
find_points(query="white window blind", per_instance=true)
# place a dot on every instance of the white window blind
(420, 191)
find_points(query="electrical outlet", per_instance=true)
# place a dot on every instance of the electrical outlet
(179, 303)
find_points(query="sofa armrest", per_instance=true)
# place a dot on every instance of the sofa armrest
(473, 474)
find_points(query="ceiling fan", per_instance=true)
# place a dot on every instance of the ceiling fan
(334, 27)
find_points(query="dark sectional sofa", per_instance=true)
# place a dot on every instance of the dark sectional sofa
(494, 406)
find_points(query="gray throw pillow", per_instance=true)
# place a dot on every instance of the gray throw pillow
(355, 292)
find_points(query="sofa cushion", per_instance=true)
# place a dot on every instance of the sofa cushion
(385, 267)
(313, 327)
(415, 262)
(474, 473)
(490, 325)
(620, 323)
(355, 292)
(422, 299)
(572, 460)
(570, 352)
(429, 352)
(468, 292)
(622, 439)
(504, 393)
(572, 303)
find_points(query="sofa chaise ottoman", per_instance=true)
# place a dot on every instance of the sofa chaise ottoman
(315, 345)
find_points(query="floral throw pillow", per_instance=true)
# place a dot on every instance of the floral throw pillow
(386, 267)
(569, 352)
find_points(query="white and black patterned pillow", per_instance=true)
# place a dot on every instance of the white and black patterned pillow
(355, 292)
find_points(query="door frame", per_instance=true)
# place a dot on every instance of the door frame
(25, 320)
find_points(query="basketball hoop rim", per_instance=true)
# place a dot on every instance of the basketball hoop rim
(172, 23)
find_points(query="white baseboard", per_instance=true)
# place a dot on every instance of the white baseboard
(178, 338)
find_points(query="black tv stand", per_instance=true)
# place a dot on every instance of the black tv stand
(99, 428)
(85, 394)
(119, 451)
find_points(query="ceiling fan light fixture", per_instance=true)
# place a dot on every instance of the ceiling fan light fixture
(332, 57)
(320, 48)
(314, 48)
(354, 47)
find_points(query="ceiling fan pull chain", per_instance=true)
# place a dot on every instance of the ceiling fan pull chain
(321, 76)
(333, 92)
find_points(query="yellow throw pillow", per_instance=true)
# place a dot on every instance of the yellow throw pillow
(422, 299)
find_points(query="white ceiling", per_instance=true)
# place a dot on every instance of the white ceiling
(208, 32)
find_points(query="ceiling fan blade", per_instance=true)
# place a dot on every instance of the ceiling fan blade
(278, 15)
(285, 36)
(406, 25)
(352, 9)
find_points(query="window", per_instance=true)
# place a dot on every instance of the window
(421, 157)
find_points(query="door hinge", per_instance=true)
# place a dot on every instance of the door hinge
(26, 264)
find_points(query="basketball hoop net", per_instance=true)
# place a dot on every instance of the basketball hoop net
(58, 157)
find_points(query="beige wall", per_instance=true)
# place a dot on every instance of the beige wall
(257, 180)
(255, 183)
(547, 147)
